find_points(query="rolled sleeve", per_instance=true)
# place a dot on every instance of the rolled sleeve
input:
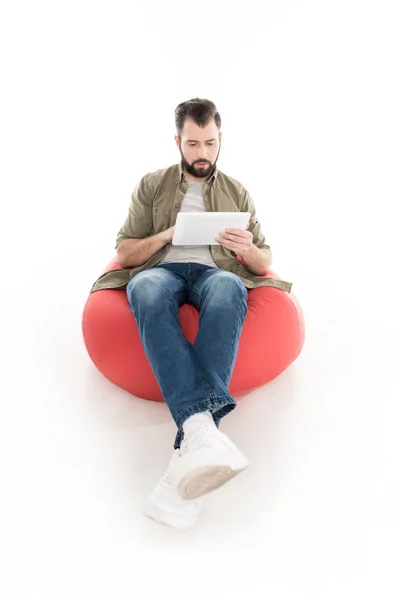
(254, 225)
(139, 222)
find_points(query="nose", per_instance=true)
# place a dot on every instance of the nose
(202, 154)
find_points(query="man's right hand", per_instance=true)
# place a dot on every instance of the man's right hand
(168, 234)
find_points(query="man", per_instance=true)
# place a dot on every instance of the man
(160, 277)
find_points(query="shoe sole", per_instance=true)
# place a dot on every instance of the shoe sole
(204, 480)
(170, 519)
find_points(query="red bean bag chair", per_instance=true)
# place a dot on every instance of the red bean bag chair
(271, 339)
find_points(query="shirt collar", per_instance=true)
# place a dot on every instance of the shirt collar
(211, 181)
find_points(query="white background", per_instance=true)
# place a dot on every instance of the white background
(309, 98)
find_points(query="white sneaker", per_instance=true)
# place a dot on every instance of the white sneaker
(167, 507)
(207, 460)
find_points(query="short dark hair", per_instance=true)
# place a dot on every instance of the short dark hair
(198, 110)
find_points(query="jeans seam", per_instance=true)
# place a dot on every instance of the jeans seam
(203, 382)
(238, 317)
(232, 344)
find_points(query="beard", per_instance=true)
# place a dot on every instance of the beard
(196, 171)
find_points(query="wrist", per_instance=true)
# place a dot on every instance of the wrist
(248, 252)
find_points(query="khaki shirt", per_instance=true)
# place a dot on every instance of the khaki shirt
(155, 204)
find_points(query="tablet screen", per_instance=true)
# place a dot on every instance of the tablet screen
(201, 228)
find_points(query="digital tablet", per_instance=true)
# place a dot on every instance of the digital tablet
(201, 228)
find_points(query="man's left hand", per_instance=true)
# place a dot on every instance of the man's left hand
(237, 240)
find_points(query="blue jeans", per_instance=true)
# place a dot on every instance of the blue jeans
(192, 377)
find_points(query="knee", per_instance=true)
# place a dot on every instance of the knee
(229, 286)
(145, 287)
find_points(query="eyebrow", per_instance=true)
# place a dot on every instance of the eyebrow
(211, 140)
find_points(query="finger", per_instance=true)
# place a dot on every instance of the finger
(237, 248)
(235, 231)
(231, 234)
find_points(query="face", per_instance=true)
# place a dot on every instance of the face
(199, 145)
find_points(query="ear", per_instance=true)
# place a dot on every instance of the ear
(177, 141)
(220, 136)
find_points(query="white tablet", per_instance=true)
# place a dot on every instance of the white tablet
(201, 228)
